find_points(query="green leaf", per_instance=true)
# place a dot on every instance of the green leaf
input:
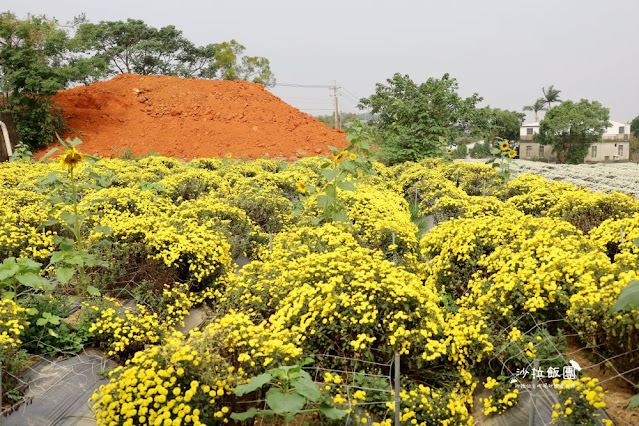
(66, 244)
(106, 230)
(307, 361)
(48, 154)
(8, 295)
(316, 220)
(254, 384)
(289, 368)
(330, 174)
(281, 402)
(307, 388)
(495, 151)
(48, 318)
(341, 216)
(25, 262)
(8, 270)
(93, 291)
(75, 260)
(331, 412)
(71, 218)
(245, 415)
(31, 280)
(52, 333)
(346, 185)
(65, 274)
(633, 403)
(322, 201)
(57, 256)
(628, 299)
(331, 192)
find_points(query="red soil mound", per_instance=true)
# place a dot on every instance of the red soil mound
(187, 118)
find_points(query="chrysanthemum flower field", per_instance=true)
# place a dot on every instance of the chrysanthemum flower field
(470, 279)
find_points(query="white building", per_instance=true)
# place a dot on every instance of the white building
(614, 144)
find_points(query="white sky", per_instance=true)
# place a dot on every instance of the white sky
(504, 50)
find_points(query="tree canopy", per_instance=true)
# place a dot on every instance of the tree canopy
(634, 126)
(539, 105)
(132, 46)
(419, 120)
(571, 127)
(491, 123)
(551, 95)
(32, 67)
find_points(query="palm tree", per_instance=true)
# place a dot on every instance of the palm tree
(551, 95)
(539, 105)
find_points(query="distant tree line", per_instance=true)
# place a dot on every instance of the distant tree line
(39, 56)
(420, 120)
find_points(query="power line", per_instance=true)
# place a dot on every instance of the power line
(352, 94)
(311, 86)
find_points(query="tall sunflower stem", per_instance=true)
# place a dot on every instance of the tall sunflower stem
(77, 229)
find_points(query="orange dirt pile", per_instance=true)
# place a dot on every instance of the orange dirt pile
(186, 118)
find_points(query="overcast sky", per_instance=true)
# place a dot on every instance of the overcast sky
(504, 50)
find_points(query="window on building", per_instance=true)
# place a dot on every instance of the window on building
(541, 150)
(620, 150)
(528, 150)
(529, 130)
(622, 130)
(593, 151)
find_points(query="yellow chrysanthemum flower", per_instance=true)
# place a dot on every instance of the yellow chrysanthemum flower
(449, 151)
(504, 146)
(352, 157)
(228, 155)
(301, 187)
(71, 158)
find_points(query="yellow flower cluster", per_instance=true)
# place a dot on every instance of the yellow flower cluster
(501, 401)
(193, 251)
(22, 213)
(126, 330)
(13, 320)
(581, 401)
(180, 382)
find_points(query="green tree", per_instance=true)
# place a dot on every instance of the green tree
(571, 127)
(634, 126)
(492, 123)
(132, 46)
(32, 67)
(539, 105)
(419, 120)
(233, 65)
(551, 95)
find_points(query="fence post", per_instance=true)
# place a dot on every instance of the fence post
(397, 385)
(533, 395)
(270, 242)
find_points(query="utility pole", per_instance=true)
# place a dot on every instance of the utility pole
(335, 87)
